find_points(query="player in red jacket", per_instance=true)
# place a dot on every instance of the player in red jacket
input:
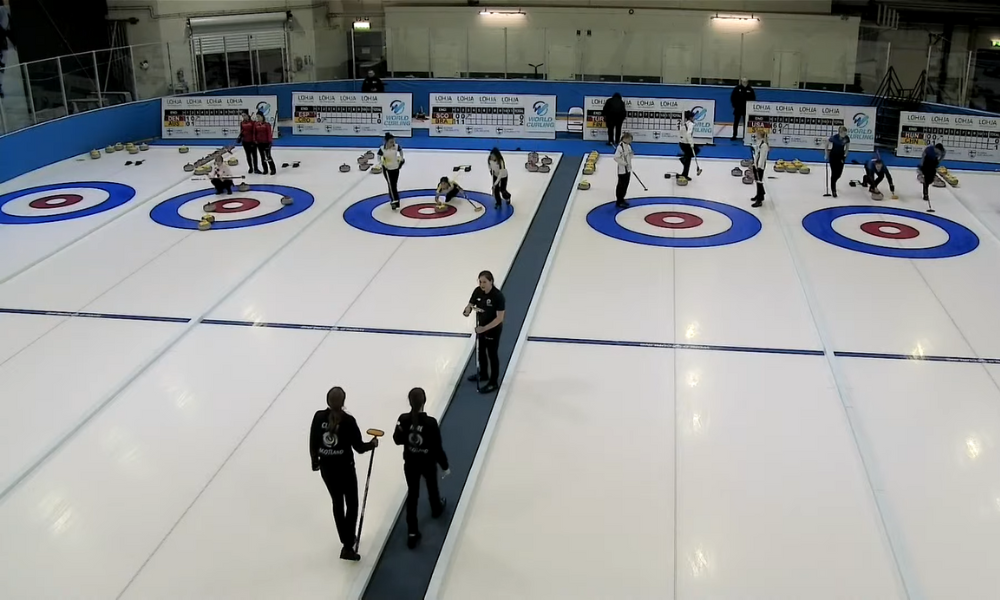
(249, 145)
(262, 135)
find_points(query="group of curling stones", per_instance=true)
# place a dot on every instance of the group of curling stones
(130, 147)
(589, 168)
(538, 165)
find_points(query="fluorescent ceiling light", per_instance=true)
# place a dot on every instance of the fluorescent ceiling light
(362, 25)
(719, 17)
(502, 13)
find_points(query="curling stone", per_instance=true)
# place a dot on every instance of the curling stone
(143, 147)
(365, 166)
(682, 180)
(797, 163)
(209, 218)
(369, 155)
(119, 147)
(441, 207)
(942, 170)
(748, 179)
(243, 187)
(546, 160)
(779, 168)
(588, 170)
(233, 161)
(746, 162)
(583, 185)
(736, 172)
(532, 167)
(362, 159)
(938, 182)
(877, 196)
(183, 149)
(133, 150)
(286, 200)
(189, 167)
(202, 170)
(376, 169)
(95, 154)
(748, 173)
(345, 168)
(209, 208)
(109, 150)
(804, 169)
(544, 168)
(204, 225)
(533, 157)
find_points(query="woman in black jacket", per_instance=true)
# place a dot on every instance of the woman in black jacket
(333, 440)
(420, 437)
(614, 114)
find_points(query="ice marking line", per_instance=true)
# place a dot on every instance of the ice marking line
(673, 346)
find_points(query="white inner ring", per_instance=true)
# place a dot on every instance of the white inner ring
(889, 229)
(232, 205)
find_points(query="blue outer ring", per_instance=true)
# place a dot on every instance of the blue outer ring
(960, 239)
(168, 212)
(744, 225)
(118, 194)
(359, 215)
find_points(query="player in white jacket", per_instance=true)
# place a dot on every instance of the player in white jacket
(623, 156)
(498, 169)
(222, 177)
(760, 150)
(687, 142)
(391, 156)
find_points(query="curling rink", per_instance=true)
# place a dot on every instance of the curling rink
(157, 382)
(707, 401)
(715, 401)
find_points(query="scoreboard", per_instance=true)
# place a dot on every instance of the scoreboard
(964, 137)
(493, 115)
(810, 125)
(652, 119)
(349, 113)
(213, 117)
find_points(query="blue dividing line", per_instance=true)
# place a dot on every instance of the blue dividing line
(673, 346)
(954, 359)
(121, 317)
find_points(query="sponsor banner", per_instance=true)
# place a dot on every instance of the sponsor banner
(351, 113)
(652, 119)
(213, 117)
(493, 116)
(964, 137)
(810, 125)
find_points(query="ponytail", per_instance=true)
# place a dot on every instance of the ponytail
(336, 395)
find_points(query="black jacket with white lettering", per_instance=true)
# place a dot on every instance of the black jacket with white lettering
(335, 448)
(420, 438)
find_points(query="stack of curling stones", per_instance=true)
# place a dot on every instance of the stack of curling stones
(791, 167)
(590, 167)
(95, 154)
(748, 176)
(546, 165)
(532, 164)
(364, 161)
(206, 222)
(131, 148)
(944, 174)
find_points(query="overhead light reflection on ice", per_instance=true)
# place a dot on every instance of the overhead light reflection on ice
(693, 377)
(973, 447)
(692, 331)
(57, 513)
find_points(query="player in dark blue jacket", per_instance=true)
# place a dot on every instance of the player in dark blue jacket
(929, 163)
(875, 172)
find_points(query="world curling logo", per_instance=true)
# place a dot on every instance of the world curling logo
(861, 120)
(398, 115)
(541, 108)
(699, 113)
(397, 107)
(541, 117)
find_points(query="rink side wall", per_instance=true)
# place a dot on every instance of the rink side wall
(46, 143)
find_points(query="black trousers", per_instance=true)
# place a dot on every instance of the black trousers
(251, 151)
(342, 483)
(759, 176)
(500, 190)
(622, 188)
(489, 355)
(223, 185)
(614, 133)
(872, 179)
(836, 171)
(738, 116)
(414, 471)
(929, 176)
(392, 179)
(686, 159)
(265, 158)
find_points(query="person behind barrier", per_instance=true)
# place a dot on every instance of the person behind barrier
(614, 116)
(875, 172)
(372, 84)
(837, 149)
(333, 439)
(423, 452)
(741, 94)
(490, 306)
(221, 176)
